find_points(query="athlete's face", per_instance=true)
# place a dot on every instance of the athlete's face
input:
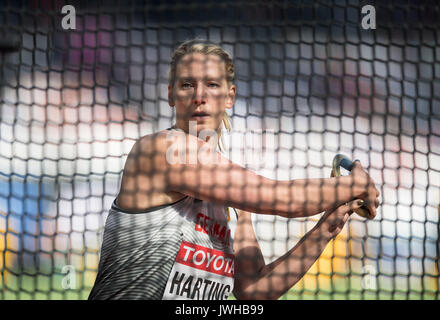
(201, 92)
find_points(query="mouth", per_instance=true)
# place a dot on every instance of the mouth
(200, 115)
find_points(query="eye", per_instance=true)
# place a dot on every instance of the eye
(213, 85)
(186, 85)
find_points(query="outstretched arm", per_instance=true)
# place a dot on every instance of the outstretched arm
(256, 280)
(207, 175)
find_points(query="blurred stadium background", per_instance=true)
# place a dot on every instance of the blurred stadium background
(309, 79)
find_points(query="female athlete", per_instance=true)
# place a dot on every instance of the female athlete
(169, 233)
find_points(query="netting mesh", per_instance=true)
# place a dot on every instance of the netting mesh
(73, 103)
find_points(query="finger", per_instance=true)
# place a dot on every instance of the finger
(346, 209)
(372, 210)
(357, 163)
(376, 203)
(339, 225)
(355, 204)
(345, 219)
(332, 174)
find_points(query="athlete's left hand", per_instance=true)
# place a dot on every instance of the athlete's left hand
(332, 222)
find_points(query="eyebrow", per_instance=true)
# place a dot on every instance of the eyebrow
(207, 78)
(182, 79)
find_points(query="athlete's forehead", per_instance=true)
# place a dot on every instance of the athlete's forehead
(199, 65)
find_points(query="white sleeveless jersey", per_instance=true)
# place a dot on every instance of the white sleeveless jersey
(180, 251)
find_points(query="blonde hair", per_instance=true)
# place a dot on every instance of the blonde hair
(205, 47)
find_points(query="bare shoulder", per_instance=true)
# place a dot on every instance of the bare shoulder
(152, 143)
(143, 182)
(168, 147)
(160, 142)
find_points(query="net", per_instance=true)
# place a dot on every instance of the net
(73, 102)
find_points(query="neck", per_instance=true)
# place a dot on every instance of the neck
(212, 140)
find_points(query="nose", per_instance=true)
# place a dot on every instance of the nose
(199, 95)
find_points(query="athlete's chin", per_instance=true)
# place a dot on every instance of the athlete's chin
(202, 123)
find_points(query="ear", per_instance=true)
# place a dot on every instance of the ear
(230, 99)
(171, 96)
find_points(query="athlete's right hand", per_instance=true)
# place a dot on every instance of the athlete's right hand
(365, 184)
